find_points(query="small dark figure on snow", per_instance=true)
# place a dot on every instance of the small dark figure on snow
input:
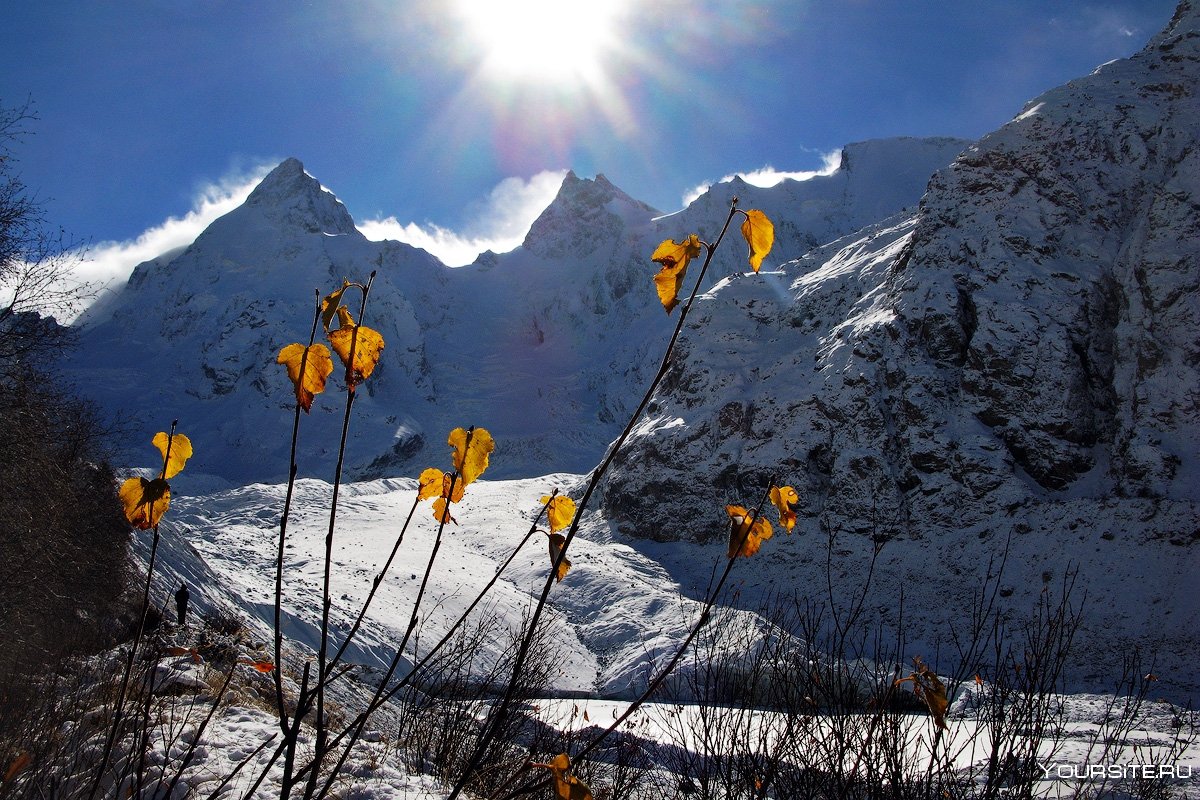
(181, 601)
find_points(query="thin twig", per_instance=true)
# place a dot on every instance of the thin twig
(496, 717)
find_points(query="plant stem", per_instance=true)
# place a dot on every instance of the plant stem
(666, 671)
(382, 696)
(496, 718)
(283, 523)
(319, 751)
(119, 706)
(374, 587)
(412, 623)
(196, 738)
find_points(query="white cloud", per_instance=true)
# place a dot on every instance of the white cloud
(499, 223)
(769, 176)
(108, 263)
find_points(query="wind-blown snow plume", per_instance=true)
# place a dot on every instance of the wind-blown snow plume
(499, 223)
(767, 176)
(110, 263)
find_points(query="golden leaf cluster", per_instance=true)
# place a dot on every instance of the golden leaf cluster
(559, 513)
(747, 532)
(557, 540)
(469, 452)
(760, 236)
(307, 368)
(783, 498)
(145, 501)
(471, 449)
(673, 257)
(446, 487)
(566, 787)
(357, 346)
(560, 510)
(331, 304)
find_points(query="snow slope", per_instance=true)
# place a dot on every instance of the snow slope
(615, 615)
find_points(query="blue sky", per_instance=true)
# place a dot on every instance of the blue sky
(455, 124)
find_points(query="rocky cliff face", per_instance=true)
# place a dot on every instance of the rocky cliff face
(1016, 364)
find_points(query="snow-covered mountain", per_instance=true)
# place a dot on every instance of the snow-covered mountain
(1010, 367)
(874, 180)
(1016, 363)
(547, 346)
(193, 334)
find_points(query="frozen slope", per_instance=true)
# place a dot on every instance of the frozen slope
(615, 615)
(1015, 362)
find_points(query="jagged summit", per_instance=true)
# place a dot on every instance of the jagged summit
(584, 216)
(556, 331)
(292, 196)
(1062, 242)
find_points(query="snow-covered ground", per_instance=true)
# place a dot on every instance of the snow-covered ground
(615, 616)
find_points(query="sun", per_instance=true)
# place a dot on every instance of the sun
(542, 41)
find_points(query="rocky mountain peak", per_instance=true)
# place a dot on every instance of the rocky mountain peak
(290, 195)
(1063, 243)
(1185, 20)
(584, 215)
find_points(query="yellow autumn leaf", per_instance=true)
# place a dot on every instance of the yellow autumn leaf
(745, 537)
(674, 257)
(430, 484)
(316, 367)
(928, 688)
(145, 501)
(443, 486)
(441, 511)
(560, 510)
(452, 488)
(470, 452)
(176, 449)
(367, 343)
(566, 787)
(760, 236)
(556, 544)
(331, 304)
(783, 498)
